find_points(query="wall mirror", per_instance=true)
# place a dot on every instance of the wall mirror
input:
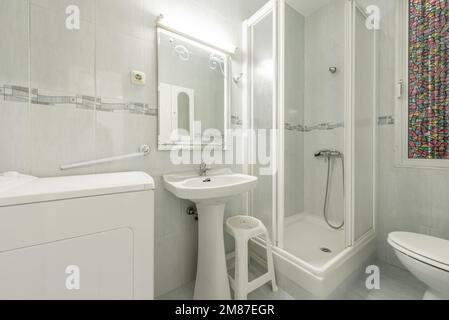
(194, 92)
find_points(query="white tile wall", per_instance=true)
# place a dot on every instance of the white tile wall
(294, 112)
(318, 97)
(14, 136)
(316, 174)
(61, 134)
(413, 200)
(14, 36)
(14, 117)
(62, 61)
(116, 36)
(116, 55)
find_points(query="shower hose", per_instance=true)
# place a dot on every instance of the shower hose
(326, 199)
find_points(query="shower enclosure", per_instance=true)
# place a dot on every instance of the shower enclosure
(311, 68)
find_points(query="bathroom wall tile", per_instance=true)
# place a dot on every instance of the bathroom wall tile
(316, 173)
(439, 226)
(232, 9)
(62, 61)
(324, 90)
(87, 7)
(123, 133)
(294, 74)
(117, 55)
(188, 253)
(62, 64)
(294, 113)
(248, 8)
(175, 261)
(222, 8)
(294, 165)
(169, 211)
(121, 16)
(413, 185)
(439, 184)
(117, 133)
(192, 17)
(61, 134)
(323, 103)
(14, 40)
(120, 133)
(168, 269)
(14, 70)
(14, 137)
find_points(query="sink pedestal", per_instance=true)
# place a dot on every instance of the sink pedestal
(210, 194)
(212, 277)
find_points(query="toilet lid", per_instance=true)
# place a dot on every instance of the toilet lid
(425, 248)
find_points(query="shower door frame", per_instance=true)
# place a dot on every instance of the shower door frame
(270, 8)
(277, 8)
(353, 7)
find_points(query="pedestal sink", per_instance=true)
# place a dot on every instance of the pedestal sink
(210, 193)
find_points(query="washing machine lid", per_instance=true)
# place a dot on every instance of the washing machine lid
(20, 189)
(425, 248)
(11, 180)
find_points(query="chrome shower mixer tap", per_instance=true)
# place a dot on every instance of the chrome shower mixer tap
(327, 153)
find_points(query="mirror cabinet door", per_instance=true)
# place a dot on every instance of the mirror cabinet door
(194, 92)
(184, 112)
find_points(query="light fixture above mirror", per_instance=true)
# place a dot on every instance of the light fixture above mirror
(212, 42)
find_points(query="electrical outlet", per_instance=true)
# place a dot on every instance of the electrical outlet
(138, 78)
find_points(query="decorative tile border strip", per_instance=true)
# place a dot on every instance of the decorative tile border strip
(14, 93)
(21, 94)
(386, 121)
(318, 127)
(382, 121)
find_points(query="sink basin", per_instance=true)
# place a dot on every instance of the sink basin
(210, 194)
(217, 184)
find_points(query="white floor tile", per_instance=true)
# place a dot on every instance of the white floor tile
(396, 284)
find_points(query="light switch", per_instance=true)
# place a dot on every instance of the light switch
(138, 78)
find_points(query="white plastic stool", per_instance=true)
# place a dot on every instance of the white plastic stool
(244, 228)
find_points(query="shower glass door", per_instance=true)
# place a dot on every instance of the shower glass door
(365, 116)
(262, 102)
(312, 79)
(314, 226)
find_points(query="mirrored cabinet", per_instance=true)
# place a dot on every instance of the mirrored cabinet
(194, 92)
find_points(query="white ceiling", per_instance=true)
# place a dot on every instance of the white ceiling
(307, 7)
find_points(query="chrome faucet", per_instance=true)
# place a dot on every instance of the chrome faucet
(204, 168)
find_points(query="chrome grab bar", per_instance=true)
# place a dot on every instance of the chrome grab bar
(144, 150)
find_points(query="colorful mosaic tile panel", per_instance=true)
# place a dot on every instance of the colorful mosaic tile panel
(429, 79)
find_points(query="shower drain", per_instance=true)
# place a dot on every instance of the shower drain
(326, 250)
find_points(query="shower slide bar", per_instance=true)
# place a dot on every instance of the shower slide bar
(144, 150)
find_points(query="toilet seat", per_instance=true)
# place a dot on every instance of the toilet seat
(426, 249)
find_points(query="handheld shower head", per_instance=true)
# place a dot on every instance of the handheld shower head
(329, 155)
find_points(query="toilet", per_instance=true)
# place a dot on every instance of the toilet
(427, 258)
